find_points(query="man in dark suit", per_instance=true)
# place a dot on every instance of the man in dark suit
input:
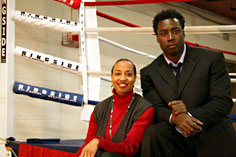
(190, 90)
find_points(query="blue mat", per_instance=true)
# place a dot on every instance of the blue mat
(232, 117)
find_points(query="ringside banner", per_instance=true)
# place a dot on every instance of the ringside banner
(4, 31)
(48, 94)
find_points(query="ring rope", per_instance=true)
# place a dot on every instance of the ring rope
(149, 30)
(55, 62)
(188, 30)
(41, 21)
(51, 61)
(232, 74)
(41, 58)
(129, 2)
(112, 18)
(197, 45)
(133, 25)
(75, 4)
(69, 98)
(65, 25)
(14, 153)
(68, 26)
(126, 48)
(233, 80)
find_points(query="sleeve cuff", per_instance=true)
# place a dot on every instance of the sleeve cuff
(177, 129)
(170, 118)
(101, 141)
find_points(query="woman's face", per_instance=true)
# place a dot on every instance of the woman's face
(123, 77)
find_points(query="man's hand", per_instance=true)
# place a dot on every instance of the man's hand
(188, 125)
(177, 107)
(90, 149)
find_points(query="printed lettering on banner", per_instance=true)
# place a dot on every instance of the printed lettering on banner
(3, 31)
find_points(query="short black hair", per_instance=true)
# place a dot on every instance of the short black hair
(124, 59)
(167, 14)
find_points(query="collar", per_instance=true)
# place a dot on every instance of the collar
(122, 99)
(181, 60)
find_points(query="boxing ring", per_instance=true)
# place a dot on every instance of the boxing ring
(88, 68)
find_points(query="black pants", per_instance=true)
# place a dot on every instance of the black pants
(101, 153)
(109, 154)
(162, 140)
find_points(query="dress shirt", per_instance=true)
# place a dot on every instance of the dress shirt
(181, 60)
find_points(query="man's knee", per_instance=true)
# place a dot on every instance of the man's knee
(156, 130)
(110, 154)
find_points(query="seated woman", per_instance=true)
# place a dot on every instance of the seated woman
(117, 123)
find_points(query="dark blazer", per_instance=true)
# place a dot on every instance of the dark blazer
(205, 89)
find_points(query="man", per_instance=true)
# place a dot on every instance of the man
(190, 91)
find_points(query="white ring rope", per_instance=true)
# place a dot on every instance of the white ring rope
(48, 60)
(41, 21)
(210, 29)
(126, 48)
(149, 30)
(61, 64)
(54, 62)
(232, 74)
(68, 26)
(233, 80)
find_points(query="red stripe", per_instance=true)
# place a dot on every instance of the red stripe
(27, 150)
(133, 25)
(128, 2)
(116, 19)
(196, 45)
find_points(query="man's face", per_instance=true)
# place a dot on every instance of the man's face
(170, 36)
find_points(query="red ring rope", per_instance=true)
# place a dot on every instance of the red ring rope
(128, 2)
(116, 19)
(197, 45)
(76, 3)
(133, 25)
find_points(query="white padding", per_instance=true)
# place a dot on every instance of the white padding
(48, 60)
(86, 112)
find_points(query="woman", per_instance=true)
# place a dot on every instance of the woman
(117, 124)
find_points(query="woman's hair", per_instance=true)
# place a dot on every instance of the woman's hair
(167, 14)
(124, 59)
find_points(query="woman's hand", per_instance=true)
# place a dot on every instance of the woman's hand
(90, 149)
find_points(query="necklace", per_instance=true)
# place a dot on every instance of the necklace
(110, 128)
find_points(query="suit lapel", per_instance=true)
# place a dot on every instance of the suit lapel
(166, 73)
(190, 62)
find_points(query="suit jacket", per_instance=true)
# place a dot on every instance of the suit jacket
(205, 89)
